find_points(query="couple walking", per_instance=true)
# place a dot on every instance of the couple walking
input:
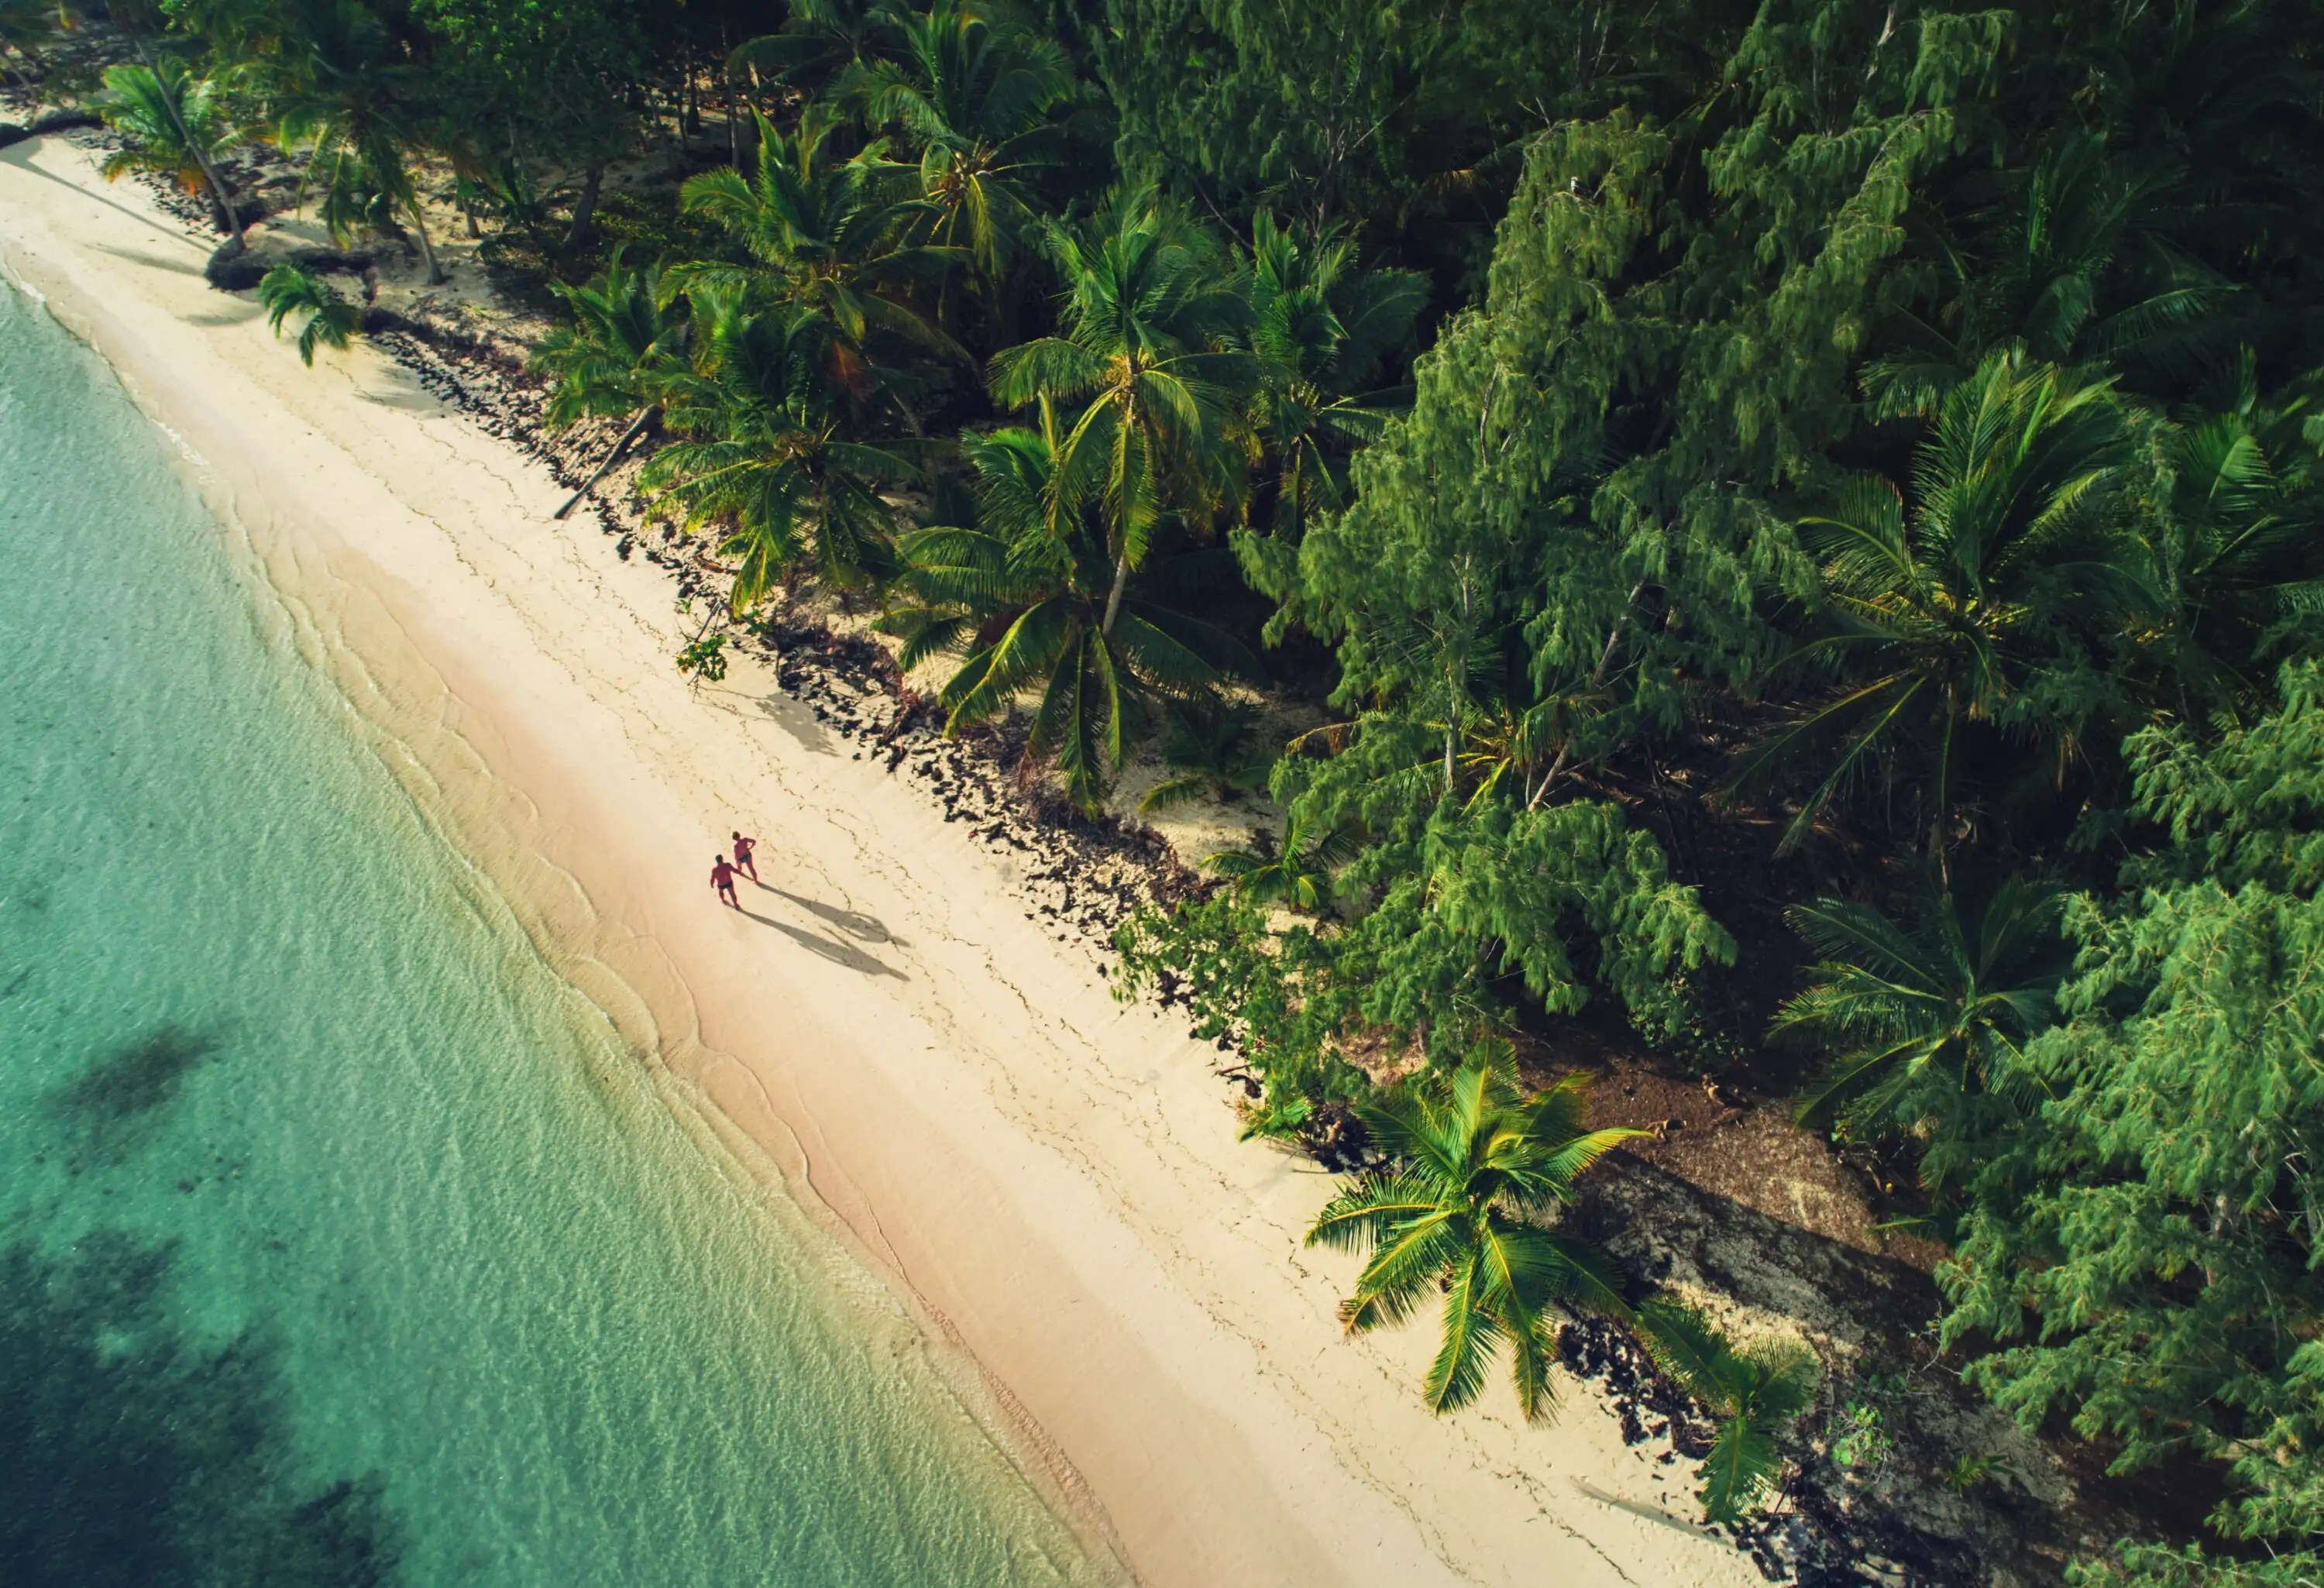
(722, 875)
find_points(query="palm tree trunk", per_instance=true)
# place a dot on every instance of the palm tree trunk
(727, 79)
(1941, 817)
(1113, 598)
(426, 247)
(1129, 419)
(1291, 494)
(584, 211)
(210, 173)
(645, 416)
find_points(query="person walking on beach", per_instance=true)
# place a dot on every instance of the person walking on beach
(722, 877)
(743, 861)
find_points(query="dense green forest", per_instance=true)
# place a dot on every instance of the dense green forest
(1696, 454)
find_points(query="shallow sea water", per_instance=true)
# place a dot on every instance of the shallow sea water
(340, 1241)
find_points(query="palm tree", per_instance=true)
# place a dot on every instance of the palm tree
(331, 319)
(1496, 730)
(139, 18)
(1530, 743)
(1754, 1391)
(1022, 597)
(1476, 1165)
(820, 40)
(623, 345)
(765, 454)
(237, 38)
(2080, 269)
(1920, 1017)
(1957, 607)
(1296, 873)
(1149, 304)
(971, 92)
(829, 236)
(2233, 554)
(1320, 328)
(345, 92)
(176, 125)
(1211, 744)
(26, 25)
(504, 189)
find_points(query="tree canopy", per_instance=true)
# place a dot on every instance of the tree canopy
(1835, 485)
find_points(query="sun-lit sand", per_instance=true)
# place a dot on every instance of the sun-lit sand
(1050, 1178)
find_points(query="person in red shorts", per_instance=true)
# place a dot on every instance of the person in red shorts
(743, 861)
(722, 877)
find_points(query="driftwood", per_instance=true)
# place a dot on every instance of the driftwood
(41, 126)
(236, 269)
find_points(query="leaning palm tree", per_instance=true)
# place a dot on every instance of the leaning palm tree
(765, 456)
(176, 126)
(1298, 872)
(1948, 612)
(1476, 1166)
(1754, 1391)
(346, 92)
(625, 343)
(971, 90)
(1919, 1017)
(1023, 599)
(831, 236)
(1150, 305)
(331, 319)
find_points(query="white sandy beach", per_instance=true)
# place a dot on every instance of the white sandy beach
(1049, 1177)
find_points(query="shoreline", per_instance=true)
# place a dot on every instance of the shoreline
(1048, 1178)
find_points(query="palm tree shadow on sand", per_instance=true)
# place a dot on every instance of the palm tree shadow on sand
(21, 157)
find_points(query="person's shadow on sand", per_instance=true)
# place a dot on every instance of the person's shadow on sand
(830, 949)
(854, 923)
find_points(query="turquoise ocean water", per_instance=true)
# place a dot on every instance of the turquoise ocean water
(343, 1241)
